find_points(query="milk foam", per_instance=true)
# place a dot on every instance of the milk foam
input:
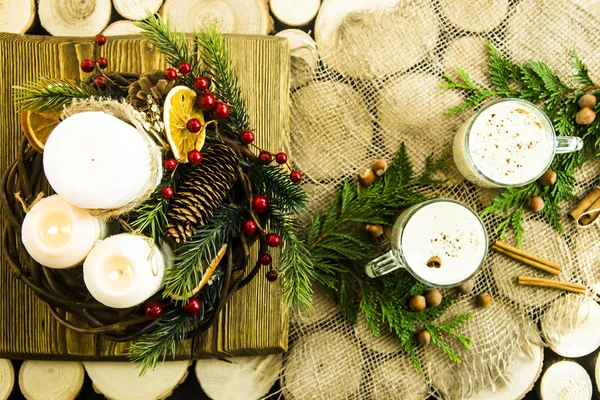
(509, 142)
(449, 231)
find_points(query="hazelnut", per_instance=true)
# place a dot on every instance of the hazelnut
(549, 178)
(417, 303)
(585, 116)
(587, 100)
(434, 262)
(484, 300)
(536, 203)
(424, 337)
(374, 230)
(367, 177)
(379, 167)
(433, 298)
(466, 287)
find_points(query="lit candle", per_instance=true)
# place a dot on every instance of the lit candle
(59, 235)
(124, 270)
(94, 160)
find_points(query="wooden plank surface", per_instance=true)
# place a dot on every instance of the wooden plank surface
(254, 321)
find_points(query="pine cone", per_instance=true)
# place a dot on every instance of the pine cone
(203, 191)
(151, 83)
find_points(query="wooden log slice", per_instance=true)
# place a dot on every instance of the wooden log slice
(136, 9)
(304, 56)
(565, 380)
(544, 241)
(385, 343)
(295, 12)
(375, 38)
(314, 366)
(122, 380)
(231, 16)
(397, 379)
(7, 378)
(470, 53)
(16, 16)
(474, 15)
(238, 378)
(571, 326)
(331, 129)
(122, 28)
(41, 380)
(74, 17)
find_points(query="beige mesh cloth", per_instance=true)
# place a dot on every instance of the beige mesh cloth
(378, 84)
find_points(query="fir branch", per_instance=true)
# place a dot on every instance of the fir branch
(192, 258)
(273, 182)
(51, 94)
(581, 75)
(169, 42)
(214, 54)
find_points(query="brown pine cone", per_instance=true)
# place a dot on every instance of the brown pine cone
(151, 83)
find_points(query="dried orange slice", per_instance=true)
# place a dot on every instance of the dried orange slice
(38, 126)
(207, 274)
(179, 109)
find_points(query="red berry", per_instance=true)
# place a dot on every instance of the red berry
(264, 156)
(272, 275)
(195, 157)
(281, 158)
(102, 62)
(295, 176)
(170, 74)
(247, 137)
(167, 192)
(273, 240)
(154, 310)
(193, 125)
(184, 68)
(260, 204)
(99, 39)
(170, 164)
(100, 82)
(249, 227)
(87, 65)
(221, 110)
(192, 307)
(206, 101)
(265, 259)
(201, 84)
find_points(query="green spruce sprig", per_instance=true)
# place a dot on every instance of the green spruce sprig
(215, 56)
(339, 248)
(537, 83)
(51, 94)
(274, 182)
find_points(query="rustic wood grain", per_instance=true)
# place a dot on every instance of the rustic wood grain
(254, 322)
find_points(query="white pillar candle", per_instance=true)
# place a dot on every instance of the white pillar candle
(59, 235)
(94, 160)
(124, 270)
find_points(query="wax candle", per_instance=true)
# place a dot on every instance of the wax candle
(94, 160)
(124, 270)
(59, 235)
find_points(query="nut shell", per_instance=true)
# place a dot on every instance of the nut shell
(536, 204)
(424, 337)
(484, 300)
(587, 100)
(374, 230)
(379, 167)
(417, 303)
(433, 298)
(466, 287)
(367, 177)
(549, 178)
(585, 116)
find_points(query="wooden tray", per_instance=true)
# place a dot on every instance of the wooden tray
(254, 321)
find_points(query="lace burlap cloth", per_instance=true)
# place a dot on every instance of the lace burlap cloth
(378, 84)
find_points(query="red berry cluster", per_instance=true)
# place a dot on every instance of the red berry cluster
(88, 65)
(281, 158)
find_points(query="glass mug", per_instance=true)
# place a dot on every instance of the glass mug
(508, 143)
(441, 242)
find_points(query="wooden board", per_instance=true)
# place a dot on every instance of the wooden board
(254, 321)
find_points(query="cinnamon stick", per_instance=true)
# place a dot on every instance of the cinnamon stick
(552, 284)
(591, 217)
(585, 203)
(526, 258)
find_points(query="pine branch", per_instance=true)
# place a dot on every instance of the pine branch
(214, 54)
(273, 182)
(51, 94)
(191, 259)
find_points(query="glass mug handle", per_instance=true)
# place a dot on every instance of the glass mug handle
(567, 144)
(384, 264)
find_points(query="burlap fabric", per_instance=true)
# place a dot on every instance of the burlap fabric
(378, 84)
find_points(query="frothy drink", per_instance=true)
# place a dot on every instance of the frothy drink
(509, 143)
(442, 230)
